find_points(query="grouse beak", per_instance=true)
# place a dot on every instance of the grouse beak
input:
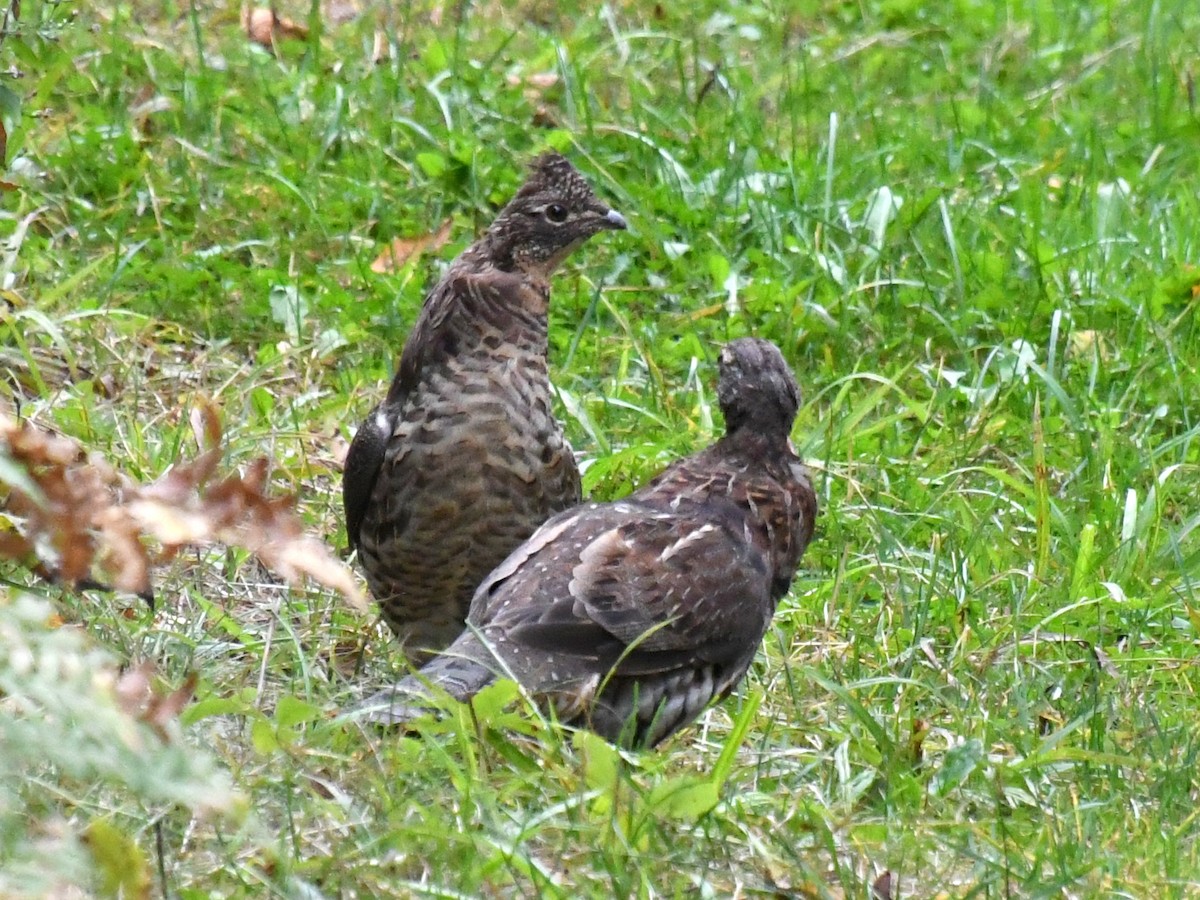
(613, 219)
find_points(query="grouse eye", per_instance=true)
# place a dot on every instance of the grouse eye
(556, 213)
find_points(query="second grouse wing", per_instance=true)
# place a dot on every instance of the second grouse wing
(630, 617)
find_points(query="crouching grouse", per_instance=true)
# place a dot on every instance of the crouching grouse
(464, 458)
(630, 617)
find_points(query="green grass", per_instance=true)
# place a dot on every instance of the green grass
(985, 676)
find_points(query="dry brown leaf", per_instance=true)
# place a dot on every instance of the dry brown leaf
(162, 709)
(264, 27)
(539, 81)
(401, 250)
(138, 697)
(123, 554)
(545, 117)
(93, 517)
(339, 449)
(206, 424)
(346, 656)
(535, 87)
(173, 526)
(542, 80)
(13, 546)
(381, 48)
(308, 556)
(133, 688)
(339, 12)
(260, 25)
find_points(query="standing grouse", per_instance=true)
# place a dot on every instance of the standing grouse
(630, 617)
(464, 458)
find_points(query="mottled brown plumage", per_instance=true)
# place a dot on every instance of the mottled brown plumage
(464, 458)
(630, 617)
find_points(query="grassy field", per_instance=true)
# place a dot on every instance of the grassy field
(971, 226)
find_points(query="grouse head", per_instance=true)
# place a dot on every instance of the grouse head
(756, 388)
(553, 213)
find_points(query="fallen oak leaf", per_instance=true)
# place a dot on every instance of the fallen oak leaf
(139, 698)
(132, 688)
(61, 515)
(381, 47)
(883, 887)
(310, 557)
(339, 449)
(36, 445)
(238, 512)
(173, 526)
(179, 481)
(164, 708)
(14, 546)
(123, 553)
(206, 424)
(339, 12)
(542, 80)
(396, 254)
(264, 27)
(539, 81)
(89, 515)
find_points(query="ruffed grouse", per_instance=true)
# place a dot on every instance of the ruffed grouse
(464, 458)
(630, 617)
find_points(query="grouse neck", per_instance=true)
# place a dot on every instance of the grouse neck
(757, 443)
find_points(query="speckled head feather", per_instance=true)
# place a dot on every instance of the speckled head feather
(552, 169)
(554, 212)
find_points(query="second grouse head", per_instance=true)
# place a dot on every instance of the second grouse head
(756, 388)
(553, 213)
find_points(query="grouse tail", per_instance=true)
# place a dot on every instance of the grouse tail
(459, 675)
